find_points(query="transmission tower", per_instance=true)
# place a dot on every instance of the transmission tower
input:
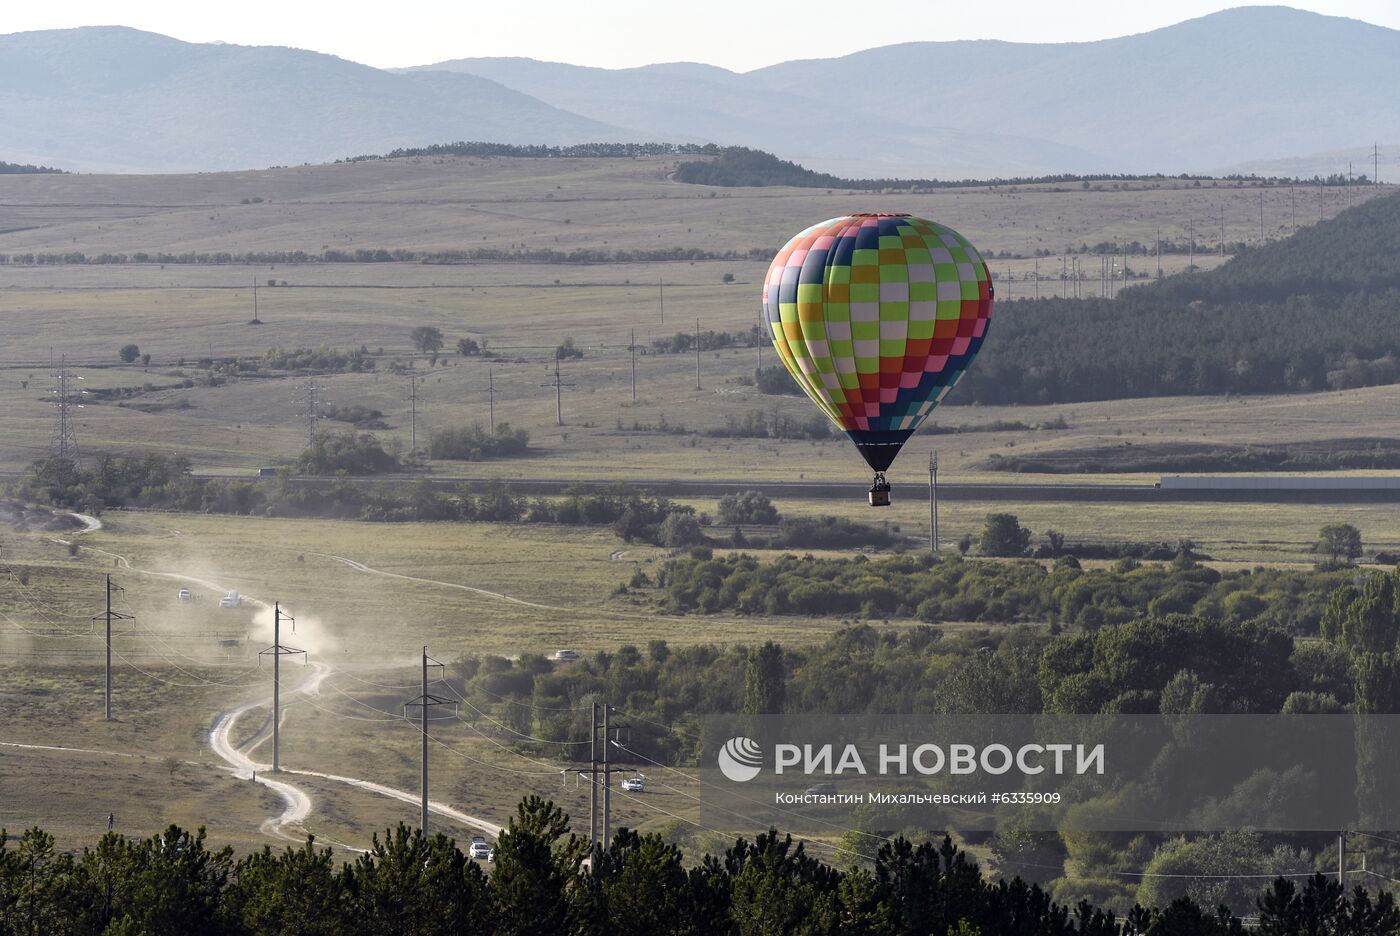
(491, 397)
(311, 394)
(66, 398)
(413, 412)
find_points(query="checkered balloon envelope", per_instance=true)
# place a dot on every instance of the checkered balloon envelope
(877, 317)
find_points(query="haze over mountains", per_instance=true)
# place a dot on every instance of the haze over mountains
(1237, 88)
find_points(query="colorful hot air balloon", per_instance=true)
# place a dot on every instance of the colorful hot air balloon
(876, 316)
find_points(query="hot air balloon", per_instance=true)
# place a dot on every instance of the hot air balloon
(877, 316)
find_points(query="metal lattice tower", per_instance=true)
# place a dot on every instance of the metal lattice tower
(67, 397)
(313, 413)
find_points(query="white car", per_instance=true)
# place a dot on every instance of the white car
(566, 656)
(634, 785)
(231, 600)
(185, 595)
(480, 850)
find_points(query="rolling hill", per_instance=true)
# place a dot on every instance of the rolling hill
(1241, 87)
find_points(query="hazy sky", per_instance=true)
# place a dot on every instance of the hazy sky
(736, 34)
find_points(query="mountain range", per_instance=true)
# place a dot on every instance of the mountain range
(1241, 87)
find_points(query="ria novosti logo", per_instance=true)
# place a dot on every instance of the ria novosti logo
(740, 759)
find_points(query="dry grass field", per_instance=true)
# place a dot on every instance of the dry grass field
(368, 596)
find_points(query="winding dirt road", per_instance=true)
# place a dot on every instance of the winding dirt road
(296, 803)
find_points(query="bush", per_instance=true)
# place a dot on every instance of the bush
(129, 353)
(747, 507)
(1003, 535)
(475, 444)
(354, 453)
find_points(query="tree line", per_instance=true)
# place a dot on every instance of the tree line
(953, 589)
(741, 166)
(546, 880)
(578, 255)
(1312, 312)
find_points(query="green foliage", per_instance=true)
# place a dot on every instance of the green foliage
(953, 589)
(765, 681)
(1323, 908)
(357, 415)
(1340, 542)
(129, 353)
(426, 338)
(1003, 535)
(747, 507)
(776, 381)
(322, 360)
(1249, 326)
(352, 453)
(567, 349)
(474, 443)
(468, 347)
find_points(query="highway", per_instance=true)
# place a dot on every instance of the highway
(914, 488)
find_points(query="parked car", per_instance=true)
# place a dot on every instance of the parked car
(480, 850)
(634, 785)
(491, 855)
(184, 596)
(566, 656)
(821, 789)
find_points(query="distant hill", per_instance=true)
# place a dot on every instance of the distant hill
(117, 99)
(1244, 86)
(1315, 311)
(1248, 84)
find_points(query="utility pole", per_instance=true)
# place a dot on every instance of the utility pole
(558, 386)
(491, 397)
(933, 502)
(1375, 164)
(593, 779)
(697, 354)
(1159, 253)
(109, 616)
(277, 651)
(256, 320)
(661, 298)
(1008, 281)
(632, 350)
(1261, 217)
(1191, 235)
(1037, 277)
(1342, 859)
(607, 780)
(425, 702)
(413, 417)
(1222, 231)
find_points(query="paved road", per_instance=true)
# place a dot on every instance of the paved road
(912, 488)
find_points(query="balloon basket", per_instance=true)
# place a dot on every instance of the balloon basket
(880, 491)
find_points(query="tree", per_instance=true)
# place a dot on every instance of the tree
(467, 347)
(1339, 542)
(1003, 535)
(427, 339)
(747, 507)
(765, 681)
(680, 529)
(567, 349)
(129, 353)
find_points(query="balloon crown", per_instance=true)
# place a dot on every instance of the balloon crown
(881, 214)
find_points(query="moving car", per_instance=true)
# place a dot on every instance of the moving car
(184, 596)
(479, 848)
(821, 789)
(566, 656)
(635, 785)
(231, 600)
